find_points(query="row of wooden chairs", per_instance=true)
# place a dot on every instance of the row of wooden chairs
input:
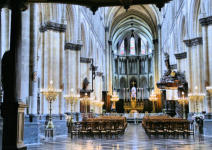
(97, 128)
(167, 127)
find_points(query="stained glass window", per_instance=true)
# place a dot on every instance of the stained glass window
(143, 49)
(132, 46)
(122, 48)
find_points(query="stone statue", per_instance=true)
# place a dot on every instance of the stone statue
(168, 66)
(85, 84)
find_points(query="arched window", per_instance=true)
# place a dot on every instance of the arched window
(122, 48)
(132, 46)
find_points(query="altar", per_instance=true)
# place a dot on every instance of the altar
(134, 105)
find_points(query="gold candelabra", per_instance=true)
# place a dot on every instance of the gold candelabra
(153, 97)
(182, 100)
(50, 94)
(71, 99)
(100, 104)
(114, 99)
(86, 101)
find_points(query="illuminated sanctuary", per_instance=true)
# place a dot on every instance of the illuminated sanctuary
(121, 74)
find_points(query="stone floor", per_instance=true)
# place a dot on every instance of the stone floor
(135, 138)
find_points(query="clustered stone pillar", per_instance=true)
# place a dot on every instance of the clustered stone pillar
(207, 61)
(156, 67)
(194, 61)
(72, 50)
(110, 67)
(53, 52)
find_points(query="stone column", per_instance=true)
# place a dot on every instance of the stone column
(110, 67)
(12, 109)
(156, 62)
(53, 60)
(4, 37)
(33, 58)
(207, 61)
(73, 49)
(194, 64)
(5, 30)
(189, 68)
(159, 52)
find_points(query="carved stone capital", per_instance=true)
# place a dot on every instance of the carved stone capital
(206, 21)
(49, 25)
(193, 42)
(181, 55)
(73, 46)
(85, 60)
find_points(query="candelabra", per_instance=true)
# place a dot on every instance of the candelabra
(153, 97)
(196, 97)
(182, 100)
(50, 94)
(92, 101)
(71, 98)
(114, 99)
(100, 104)
(86, 101)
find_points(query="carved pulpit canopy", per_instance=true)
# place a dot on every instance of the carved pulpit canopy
(172, 79)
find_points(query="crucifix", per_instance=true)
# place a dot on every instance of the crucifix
(133, 83)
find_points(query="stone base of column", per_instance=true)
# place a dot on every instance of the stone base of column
(208, 116)
(34, 127)
(13, 125)
(207, 124)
